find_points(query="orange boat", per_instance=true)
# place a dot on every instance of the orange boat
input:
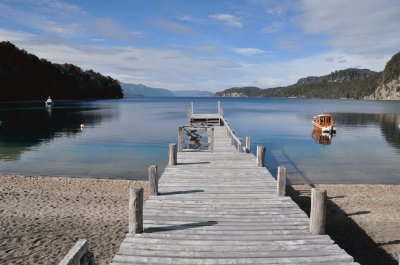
(324, 123)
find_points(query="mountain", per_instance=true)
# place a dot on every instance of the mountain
(193, 93)
(389, 81)
(133, 90)
(348, 83)
(139, 90)
(25, 77)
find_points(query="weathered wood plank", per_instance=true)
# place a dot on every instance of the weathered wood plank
(224, 207)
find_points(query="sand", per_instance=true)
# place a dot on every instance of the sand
(362, 219)
(41, 218)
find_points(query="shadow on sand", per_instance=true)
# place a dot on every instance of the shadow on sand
(345, 232)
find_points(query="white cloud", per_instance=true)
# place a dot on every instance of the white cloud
(173, 26)
(288, 45)
(364, 27)
(64, 21)
(208, 48)
(276, 11)
(248, 51)
(273, 27)
(229, 20)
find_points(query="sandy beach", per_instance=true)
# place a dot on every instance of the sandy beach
(363, 219)
(43, 217)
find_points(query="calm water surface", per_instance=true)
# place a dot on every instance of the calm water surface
(121, 138)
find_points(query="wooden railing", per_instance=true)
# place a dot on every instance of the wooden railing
(238, 142)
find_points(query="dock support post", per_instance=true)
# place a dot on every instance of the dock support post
(248, 140)
(172, 155)
(318, 211)
(260, 155)
(219, 108)
(210, 132)
(281, 182)
(240, 145)
(180, 139)
(153, 180)
(136, 210)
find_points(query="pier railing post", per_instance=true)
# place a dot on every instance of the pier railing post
(172, 155)
(219, 107)
(248, 140)
(240, 145)
(260, 155)
(318, 211)
(232, 139)
(281, 182)
(153, 180)
(180, 139)
(211, 139)
(136, 210)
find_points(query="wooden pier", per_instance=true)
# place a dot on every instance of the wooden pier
(218, 204)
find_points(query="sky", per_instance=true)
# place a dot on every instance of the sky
(206, 44)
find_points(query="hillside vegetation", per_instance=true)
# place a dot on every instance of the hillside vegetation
(25, 77)
(348, 83)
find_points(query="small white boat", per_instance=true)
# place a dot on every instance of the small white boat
(49, 103)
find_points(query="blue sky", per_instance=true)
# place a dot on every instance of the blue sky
(204, 44)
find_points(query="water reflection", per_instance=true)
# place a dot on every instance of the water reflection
(26, 127)
(390, 128)
(389, 124)
(322, 138)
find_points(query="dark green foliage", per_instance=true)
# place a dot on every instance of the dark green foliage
(248, 91)
(392, 69)
(348, 83)
(24, 76)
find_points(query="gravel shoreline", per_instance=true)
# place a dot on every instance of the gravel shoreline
(43, 217)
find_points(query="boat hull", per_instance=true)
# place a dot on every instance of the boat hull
(324, 129)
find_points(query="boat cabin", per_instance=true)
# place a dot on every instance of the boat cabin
(324, 120)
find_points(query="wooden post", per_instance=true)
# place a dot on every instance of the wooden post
(248, 140)
(78, 254)
(211, 140)
(153, 180)
(136, 210)
(180, 139)
(172, 155)
(232, 139)
(260, 155)
(191, 109)
(240, 145)
(281, 182)
(318, 211)
(219, 107)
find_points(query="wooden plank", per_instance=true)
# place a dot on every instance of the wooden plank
(221, 207)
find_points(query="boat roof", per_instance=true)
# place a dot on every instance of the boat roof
(322, 115)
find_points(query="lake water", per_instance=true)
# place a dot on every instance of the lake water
(121, 138)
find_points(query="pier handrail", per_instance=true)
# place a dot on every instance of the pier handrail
(233, 135)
